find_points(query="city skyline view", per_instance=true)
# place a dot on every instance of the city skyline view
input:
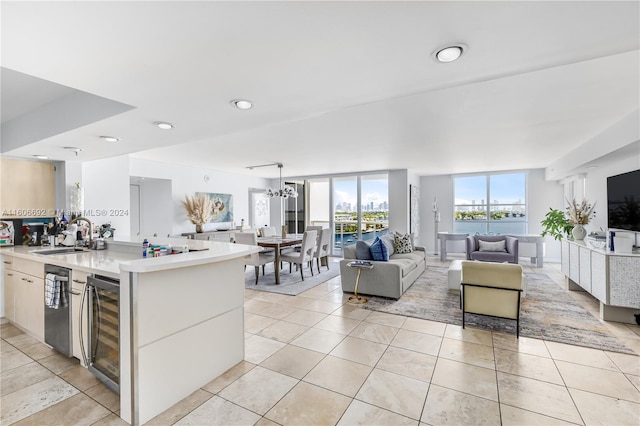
(375, 194)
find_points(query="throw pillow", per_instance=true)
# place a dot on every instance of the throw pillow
(379, 250)
(388, 241)
(493, 246)
(362, 251)
(402, 243)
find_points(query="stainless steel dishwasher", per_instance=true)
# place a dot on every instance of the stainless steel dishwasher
(57, 320)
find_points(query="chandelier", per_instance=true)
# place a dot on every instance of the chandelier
(284, 191)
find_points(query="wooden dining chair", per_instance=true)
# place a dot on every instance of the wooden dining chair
(305, 255)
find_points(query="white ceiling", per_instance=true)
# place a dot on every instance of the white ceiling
(338, 86)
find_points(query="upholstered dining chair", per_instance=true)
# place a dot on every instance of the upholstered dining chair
(268, 231)
(321, 252)
(305, 255)
(255, 259)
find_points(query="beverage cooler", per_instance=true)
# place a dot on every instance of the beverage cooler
(102, 351)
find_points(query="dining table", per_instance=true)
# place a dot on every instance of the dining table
(278, 243)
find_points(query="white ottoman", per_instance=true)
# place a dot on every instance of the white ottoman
(455, 275)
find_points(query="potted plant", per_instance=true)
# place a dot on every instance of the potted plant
(556, 224)
(199, 210)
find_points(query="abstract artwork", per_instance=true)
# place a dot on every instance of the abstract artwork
(414, 211)
(222, 206)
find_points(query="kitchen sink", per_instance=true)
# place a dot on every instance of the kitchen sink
(63, 250)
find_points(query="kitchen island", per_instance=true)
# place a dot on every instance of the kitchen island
(180, 316)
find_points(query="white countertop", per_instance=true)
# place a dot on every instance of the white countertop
(585, 243)
(125, 255)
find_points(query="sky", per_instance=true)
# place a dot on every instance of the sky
(506, 188)
(375, 190)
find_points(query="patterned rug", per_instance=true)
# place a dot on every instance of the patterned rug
(547, 312)
(290, 283)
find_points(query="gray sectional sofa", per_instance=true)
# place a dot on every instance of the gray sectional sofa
(387, 279)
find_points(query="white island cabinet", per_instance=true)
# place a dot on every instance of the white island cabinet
(181, 326)
(181, 319)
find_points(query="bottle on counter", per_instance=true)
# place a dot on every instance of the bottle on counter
(145, 247)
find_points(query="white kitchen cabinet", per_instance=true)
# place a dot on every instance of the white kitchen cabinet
(29, 303)
(35, 309)
(20, 294)
(31, 192)
(24, 294)
(9, 294)
(78, 282)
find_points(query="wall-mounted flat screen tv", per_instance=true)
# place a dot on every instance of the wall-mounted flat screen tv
(623, 197)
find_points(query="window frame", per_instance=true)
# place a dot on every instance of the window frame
(488, 205)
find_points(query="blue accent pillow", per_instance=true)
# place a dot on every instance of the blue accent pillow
(362, 251)
(379, 250)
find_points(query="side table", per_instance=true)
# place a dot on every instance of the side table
(360, 265)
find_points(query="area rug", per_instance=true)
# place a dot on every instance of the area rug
(290, 283)
(547, 312)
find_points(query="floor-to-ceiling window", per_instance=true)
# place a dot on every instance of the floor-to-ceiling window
(490, 204)
(356, 207)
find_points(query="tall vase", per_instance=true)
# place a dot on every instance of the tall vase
(578, 232)
(199, 228)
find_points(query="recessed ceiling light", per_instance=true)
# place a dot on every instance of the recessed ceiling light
(164, 125)
(242, 104)
(449, 53)
(109, 138)
(41, 157)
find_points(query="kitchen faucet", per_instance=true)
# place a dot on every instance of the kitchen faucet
(90, 227)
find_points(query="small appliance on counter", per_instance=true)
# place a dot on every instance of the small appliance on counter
(98, 244)
(6, 233)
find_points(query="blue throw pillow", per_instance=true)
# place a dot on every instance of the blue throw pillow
(379, 250)
(362, 251)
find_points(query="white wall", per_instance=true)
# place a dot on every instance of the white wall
(440, 188)
(106, 192)
(595, 186)
(399, 201)
(543, 195)
(189, 180)
(154, 203)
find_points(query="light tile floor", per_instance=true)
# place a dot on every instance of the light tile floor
(314, 359)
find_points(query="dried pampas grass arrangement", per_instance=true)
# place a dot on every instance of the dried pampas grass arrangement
(199, 209)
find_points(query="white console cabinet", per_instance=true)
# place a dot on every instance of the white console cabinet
(612, 278)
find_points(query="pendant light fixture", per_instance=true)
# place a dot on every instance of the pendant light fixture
(284, 191)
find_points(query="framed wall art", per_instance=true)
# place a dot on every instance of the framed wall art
(222, 206)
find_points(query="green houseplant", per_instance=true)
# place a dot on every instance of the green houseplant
(556, 224)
